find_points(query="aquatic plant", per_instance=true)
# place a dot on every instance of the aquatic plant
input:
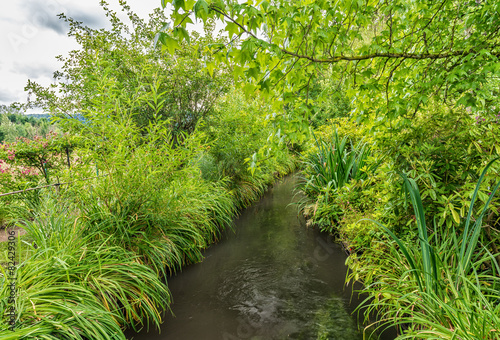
(335, 164)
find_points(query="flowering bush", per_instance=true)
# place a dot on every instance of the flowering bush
(28, 160)
(486, 119)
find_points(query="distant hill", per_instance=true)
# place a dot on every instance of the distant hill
(38, 116)
(48, 117)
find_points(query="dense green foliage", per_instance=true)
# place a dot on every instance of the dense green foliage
(78, 285)
(183, 91)
(154, 207)
(392, 57)
(157, 171)
(394, 105)
(330, 168)
(155, 203)
(444, 280)
(409, 267)
(414, 81)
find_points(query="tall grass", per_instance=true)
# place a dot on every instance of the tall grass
(102, 248)
(251, 187)
(76, 286)
(168, 226)
(98, 259)
(446, 286)
(329, 169)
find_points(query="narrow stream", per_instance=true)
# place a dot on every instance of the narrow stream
(272, 278)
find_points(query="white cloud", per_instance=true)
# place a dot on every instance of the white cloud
(7, 95)
(31, 36)
(34, 70)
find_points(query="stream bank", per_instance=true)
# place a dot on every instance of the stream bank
(270, 278)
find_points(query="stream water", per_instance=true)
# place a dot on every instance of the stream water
(270, 278)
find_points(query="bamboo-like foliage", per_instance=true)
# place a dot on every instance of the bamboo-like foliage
(447, 289)
(103, 248)
(171, 226)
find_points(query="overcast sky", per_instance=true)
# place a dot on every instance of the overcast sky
(31, 36)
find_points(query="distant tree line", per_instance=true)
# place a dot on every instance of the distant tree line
(14, 124)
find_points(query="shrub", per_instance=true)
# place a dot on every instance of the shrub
(330, 169)
(445, 289)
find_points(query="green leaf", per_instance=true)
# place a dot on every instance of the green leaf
(178, 4)
(170, 43)
(181, 33)
(201, 10)
(238, 71)
(482, 196)
(181, 19)
(232, 29)
(210, 67)
(188, 5)
(253, 72)
(387, 295)
(165, 26)
(455, 215)
(432, 193)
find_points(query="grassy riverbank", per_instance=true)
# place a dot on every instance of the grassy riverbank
(97, 252)
(419, 216)
(90, 273)
(154, 155)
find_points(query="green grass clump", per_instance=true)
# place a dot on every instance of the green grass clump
(77, 286)
(168, 226)
(330, 170)
(335, 164)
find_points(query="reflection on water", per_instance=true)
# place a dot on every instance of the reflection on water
(270, 279)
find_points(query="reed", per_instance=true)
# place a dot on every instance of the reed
(335, 164)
